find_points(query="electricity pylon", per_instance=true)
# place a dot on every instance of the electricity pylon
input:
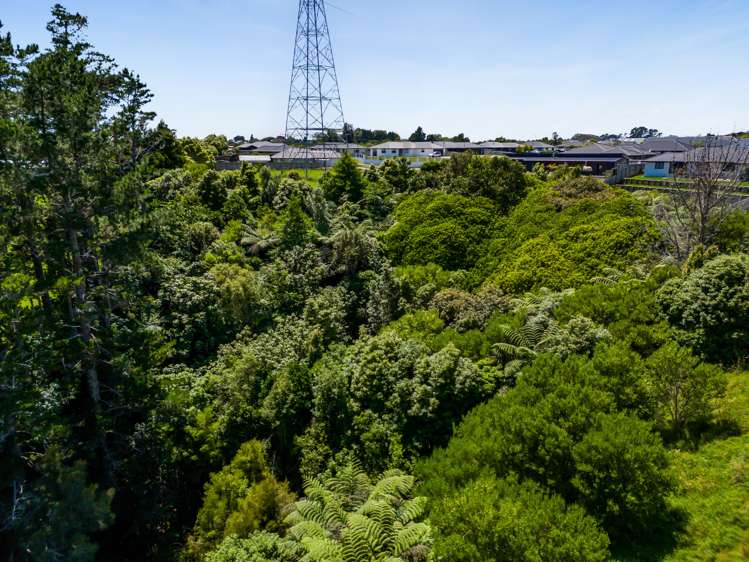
(314, 98)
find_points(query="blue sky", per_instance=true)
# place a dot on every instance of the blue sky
(515, 68)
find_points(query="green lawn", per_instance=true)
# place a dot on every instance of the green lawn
(312, 176)
(671, 180)
(715, 488)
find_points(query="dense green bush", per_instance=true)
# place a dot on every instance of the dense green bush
(386, 396)
(559, 238)
(711, 306)
(490, 520)
(434, 227)
(553, 428)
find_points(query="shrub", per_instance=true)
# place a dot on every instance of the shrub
(711, 305)
(494, 519)
(433, 227)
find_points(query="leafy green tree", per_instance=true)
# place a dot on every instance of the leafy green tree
(711, 306)
(683, 388)
(493, 519)
(387, 389)
(297, 227)
(63, 513)
(243, 497)
(449, 230)
(622, 474)
(344, 180)
(347, 518)
(418, 135)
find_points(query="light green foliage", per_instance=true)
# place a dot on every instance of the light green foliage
(562, 237)
(715, 487)
(238, 293)
(491, 520)
(433, 227)
(258, 547)
(682, 387)
(712, 306)
(243, 497)
(347, 518)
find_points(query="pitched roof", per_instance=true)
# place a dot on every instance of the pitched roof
(404, 145)
(665, 145)
(454, 144)
(491, 145)
(735, 154)
(338, 146)
(299, 153)
(600, 149)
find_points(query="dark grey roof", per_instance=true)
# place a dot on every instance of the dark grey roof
(735, 154)
(598, 149)
(539, 144)
(563, 158)
(665, 145)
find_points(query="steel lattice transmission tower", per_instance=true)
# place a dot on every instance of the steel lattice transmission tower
(314, 98)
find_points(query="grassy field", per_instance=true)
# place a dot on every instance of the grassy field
(311, 176)
(715, 487)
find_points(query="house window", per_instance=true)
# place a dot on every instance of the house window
(660, 165)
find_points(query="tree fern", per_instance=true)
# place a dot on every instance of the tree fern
(346, 518)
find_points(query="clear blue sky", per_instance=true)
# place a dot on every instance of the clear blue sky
(483, 67)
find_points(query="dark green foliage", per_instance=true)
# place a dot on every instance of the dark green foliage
(343, 180)
(550, 429)
(167, 329)
(492, 519)
(499, 179)
(63, 513)
(387, 391)
(433, 227)
(711, 305)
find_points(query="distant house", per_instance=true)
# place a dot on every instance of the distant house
(631, 151)
(662, 145)
(261, 147)
(730, 160)
(538, 146)
(451, 147)
(354, 150)
(294, 156)
(405, 148)
(491, 147)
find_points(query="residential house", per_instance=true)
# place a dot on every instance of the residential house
(491, 147)
(406, 149)
(355, 150)
(452, 147)
(662, 145)
(727, 160)
(261, 147)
